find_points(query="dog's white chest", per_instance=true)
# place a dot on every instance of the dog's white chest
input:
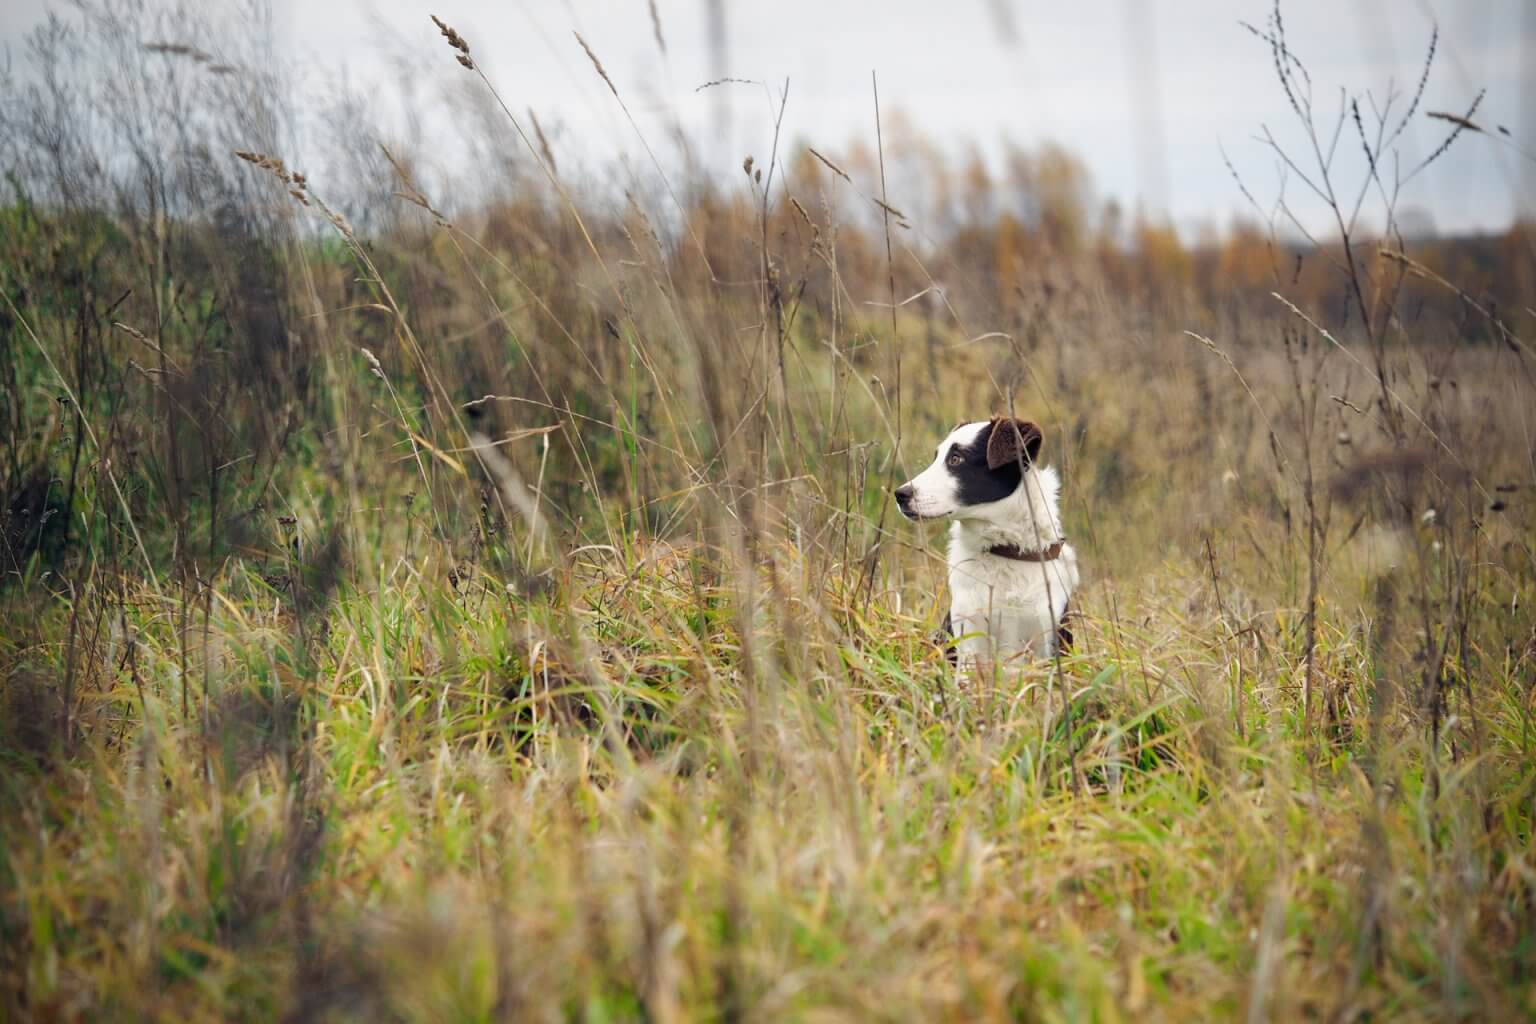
(1001, 607)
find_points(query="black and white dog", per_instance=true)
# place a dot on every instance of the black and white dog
(1011, 571)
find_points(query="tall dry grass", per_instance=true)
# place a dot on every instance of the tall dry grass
(434, 611)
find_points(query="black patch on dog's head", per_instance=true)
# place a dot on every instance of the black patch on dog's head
(978, 483)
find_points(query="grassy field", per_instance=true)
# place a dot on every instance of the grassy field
(500, 615)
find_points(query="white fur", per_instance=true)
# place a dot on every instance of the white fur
(999, 607)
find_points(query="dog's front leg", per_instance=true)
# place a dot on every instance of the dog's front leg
(973, 644)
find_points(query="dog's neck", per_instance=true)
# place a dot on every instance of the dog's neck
(1026, 520)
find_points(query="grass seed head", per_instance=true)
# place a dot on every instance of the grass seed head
(449, 33)
(596, 63)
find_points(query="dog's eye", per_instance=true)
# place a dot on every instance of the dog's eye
(955, 458)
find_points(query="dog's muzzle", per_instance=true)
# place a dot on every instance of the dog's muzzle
(904, 495)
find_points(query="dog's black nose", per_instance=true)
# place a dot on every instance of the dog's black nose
(904, 495)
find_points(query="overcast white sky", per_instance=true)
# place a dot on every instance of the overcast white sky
(1144, 91)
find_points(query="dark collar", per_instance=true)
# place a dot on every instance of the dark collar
(1018, 554)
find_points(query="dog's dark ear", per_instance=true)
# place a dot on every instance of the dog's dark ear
(1009, 439)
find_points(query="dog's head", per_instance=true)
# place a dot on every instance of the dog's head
(976, 466)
